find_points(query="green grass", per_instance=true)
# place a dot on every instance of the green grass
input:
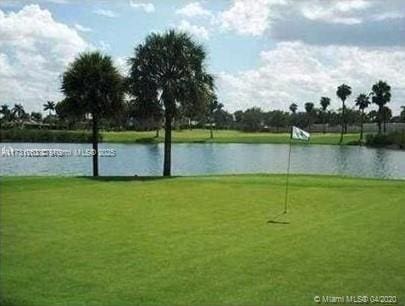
(222, 136)
(199, 240)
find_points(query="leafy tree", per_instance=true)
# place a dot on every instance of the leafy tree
(362, 102)
(381, 95)
(92, 85)
(343, 91)
(37, 117)
(147, 111)
(170, 66)
(293, 108)
(277, 119)
(49, 106)
(325, 102)
(252, 120)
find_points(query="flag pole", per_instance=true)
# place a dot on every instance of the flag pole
(288, 174)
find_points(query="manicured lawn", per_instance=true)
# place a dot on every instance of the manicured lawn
(199, 240)
(222, 136)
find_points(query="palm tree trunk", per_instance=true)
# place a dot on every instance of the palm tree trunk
(168, 146)
(157, 132)
(343, 122)
(95, 146)
(211, 131)
(361, 125)
(379, 116)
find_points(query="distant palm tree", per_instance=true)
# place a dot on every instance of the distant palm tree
(343, 91)
(5, 111)
(293, 108)
(19, 113)
(381, 95)
(49, 106)
(213, 106)
(309, 108)
(92, 85)
(386, 116)
(362, 101)
(172, 66)
(325, 102)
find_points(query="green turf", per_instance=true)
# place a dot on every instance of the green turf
(199, 240)
(222, 136)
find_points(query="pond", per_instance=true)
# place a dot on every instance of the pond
(196, 159)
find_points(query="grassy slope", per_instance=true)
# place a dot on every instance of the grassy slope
(206, 240)
(221, 136)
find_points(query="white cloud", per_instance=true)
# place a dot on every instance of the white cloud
(296, 72)
(146, 6)
(249, 17)
(197, 31)
(105, 13)
(342, 11)
(81, 28)
(35, 49)
(194, 9)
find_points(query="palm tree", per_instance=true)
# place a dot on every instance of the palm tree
(293, 108)
(213, 107)
(18, 113)
(309, 108)
(343, 91)
(381, 95)
(386, 116)
(6, 112)
(92, 85)
(325, 102)
(170, 66)
(362, 101)
(49, 106)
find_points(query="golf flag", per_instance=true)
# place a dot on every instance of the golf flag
(299, 134)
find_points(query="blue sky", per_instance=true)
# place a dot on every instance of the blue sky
(267, 53)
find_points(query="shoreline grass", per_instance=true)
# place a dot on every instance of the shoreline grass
(183, 136)
(198, 240)
(222, 136)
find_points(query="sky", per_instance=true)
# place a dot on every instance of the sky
(265, 53)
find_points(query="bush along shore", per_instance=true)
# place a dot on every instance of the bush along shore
(394, 140)
(27, 135)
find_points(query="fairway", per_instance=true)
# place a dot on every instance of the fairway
(199, 240)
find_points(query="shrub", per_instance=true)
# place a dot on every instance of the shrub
(25, 135)
(385, 140)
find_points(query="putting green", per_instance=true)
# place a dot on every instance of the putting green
(199, 240)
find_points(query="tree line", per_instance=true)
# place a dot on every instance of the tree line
(168, 86)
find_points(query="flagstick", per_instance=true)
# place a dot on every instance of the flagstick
(288, 175)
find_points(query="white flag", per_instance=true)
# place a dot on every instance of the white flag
(299, 134)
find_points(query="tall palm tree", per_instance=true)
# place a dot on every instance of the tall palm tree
(49, 106)
(381, 95)
(170, 66)
(293, 108)
(325, 102)
(343, 91)
(92, 85)
(362, 102)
